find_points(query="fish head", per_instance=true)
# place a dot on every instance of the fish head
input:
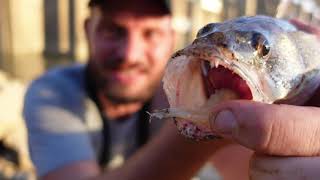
(255, 58)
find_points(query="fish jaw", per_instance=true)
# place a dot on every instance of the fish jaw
(195, 131)
(187, 71)
(191, 102)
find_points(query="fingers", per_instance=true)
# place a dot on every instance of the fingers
(276, 168)
(269, 128)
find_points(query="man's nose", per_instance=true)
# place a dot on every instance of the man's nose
(133, 49)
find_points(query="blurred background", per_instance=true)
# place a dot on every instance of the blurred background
(36, 35)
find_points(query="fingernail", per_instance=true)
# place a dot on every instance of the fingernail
(224, 122)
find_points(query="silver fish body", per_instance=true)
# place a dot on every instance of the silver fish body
(259, 58)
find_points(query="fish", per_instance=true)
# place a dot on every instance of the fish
(258, 58)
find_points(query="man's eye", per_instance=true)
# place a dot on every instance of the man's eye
(151, 34)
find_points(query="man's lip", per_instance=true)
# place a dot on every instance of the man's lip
(125, 77)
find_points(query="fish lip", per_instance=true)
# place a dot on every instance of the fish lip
(252, 84)
(240, 71)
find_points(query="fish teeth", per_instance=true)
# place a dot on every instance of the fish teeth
(216, 64)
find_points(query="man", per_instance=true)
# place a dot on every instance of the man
(82, 118)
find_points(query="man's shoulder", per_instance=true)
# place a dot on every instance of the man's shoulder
(60, 87)
(59, 119)
(69, 79)
(71, 75)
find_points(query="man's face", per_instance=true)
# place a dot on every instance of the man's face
(128, 53)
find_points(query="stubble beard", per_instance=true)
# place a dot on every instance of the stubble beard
(118, 94)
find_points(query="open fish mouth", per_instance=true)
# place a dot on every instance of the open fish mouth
(219, 82)
(219, 77)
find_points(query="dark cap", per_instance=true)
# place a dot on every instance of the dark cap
(162, 5)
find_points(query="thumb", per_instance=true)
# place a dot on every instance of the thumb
(269, 128)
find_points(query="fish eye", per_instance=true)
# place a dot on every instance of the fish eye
(260, 44)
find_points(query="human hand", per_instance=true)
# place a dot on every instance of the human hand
(284, 137)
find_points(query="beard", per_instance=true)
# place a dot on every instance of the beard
(141, 91)
(121, 94)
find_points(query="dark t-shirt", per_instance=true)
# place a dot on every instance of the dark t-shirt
(64, 124)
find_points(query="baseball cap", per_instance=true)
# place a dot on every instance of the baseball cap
(163, 5)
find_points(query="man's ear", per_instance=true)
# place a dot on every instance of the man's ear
(87, 23)
(174, 38)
